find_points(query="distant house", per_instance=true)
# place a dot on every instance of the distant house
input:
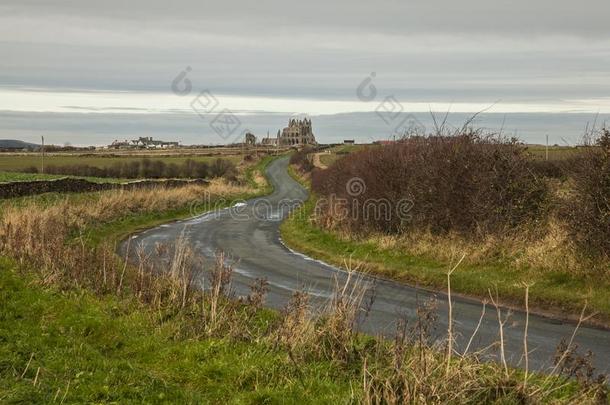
(149, 142)
(349, 141)
(142, 143)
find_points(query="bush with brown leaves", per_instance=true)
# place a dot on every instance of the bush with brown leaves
(588, 207)
(470, 184)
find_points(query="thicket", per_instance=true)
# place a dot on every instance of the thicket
(148, 168)
(302, 158)
(470, 184)
(555, 169)
(587, 210)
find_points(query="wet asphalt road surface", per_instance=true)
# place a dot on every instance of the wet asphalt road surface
(249, 236)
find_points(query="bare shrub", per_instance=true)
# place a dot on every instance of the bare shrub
(302, 159)
(588, 208)
(470, 184)
(223, 168)
(556, 169)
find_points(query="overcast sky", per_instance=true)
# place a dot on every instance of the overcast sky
(437, 50)
(63, 59)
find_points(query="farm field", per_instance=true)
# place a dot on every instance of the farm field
(336, 152)
(18, 176)
(11, 162)
(555, 152)
(536, 151)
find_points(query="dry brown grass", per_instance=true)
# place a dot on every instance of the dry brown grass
(413, 367)
(42, 234)
(546, 251)
(49, 240)
(259, 179)
(112, 204)
(412, 370)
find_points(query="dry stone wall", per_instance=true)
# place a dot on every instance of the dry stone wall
(72, 185)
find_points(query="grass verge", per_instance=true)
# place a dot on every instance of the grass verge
(255, 176)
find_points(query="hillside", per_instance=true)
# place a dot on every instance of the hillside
(16, 144)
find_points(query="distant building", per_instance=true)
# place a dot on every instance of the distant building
(116, 144)
(270, 141)
(250, 139)
(349, 141)
(142, 143)
(149, 142)
(297, 133)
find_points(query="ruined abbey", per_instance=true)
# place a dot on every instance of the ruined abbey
(297, 133)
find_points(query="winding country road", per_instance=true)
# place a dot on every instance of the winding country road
(249, 235)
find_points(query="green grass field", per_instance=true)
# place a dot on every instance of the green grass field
(555, 152)
(337, 152)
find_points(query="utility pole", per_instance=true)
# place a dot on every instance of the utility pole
(42, 149)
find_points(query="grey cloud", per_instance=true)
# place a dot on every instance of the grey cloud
(587, 18)
(422, 50)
